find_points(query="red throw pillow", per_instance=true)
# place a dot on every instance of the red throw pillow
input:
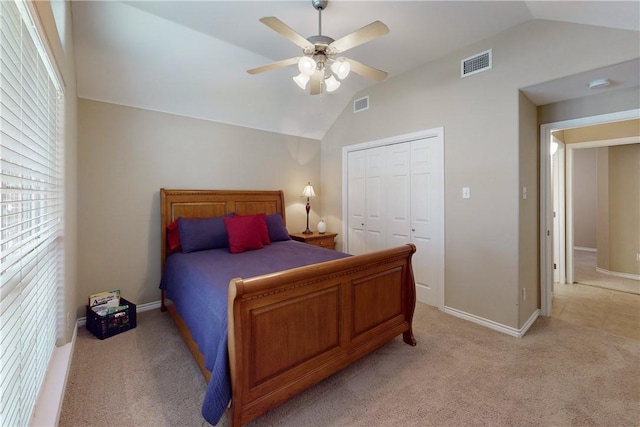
(173, 238)
(245, 233)
(261, 220)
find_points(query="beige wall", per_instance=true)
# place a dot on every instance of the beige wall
(624, 208)
(528, 236)
(602, 225)
(592, 105)
(606, 131)
(484, 248)
(126, 155)
(585, 197)
(65, 61)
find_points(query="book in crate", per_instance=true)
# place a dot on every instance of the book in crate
(109, 314)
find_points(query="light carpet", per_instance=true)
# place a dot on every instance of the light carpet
(459, 374)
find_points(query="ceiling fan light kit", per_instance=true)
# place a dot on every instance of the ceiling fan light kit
(320, 64)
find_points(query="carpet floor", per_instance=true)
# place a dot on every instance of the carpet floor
(459, 374)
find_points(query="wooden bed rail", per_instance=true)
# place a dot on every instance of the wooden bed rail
(292, 329)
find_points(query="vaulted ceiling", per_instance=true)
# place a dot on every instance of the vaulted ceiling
(190, 57)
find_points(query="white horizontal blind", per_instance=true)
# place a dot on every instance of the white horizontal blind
(31, 205)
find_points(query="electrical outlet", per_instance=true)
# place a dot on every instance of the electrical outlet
(524, 294)
(638, 256)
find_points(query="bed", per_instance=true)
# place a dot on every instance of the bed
(287, 328)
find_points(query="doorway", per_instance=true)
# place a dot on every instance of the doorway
(549, 216)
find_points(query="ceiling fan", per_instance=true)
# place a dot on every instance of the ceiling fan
(320, 63)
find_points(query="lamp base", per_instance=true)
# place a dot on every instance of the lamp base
(307, 231)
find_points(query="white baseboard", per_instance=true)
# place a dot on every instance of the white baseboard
(139, 309)
(518, 333)
(618, 274)
(51, 396)
(582, 248)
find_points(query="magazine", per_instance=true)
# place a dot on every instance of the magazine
(105, 303)
(108, 299)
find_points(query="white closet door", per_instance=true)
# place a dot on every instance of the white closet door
(398, 194)
(395, 195)
(425, 223)
(356, 167)
(375, 199)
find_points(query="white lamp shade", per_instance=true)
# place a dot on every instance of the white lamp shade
(341, 68)
(308, 191)
(301, 80)
(331, 84)
(307, 65)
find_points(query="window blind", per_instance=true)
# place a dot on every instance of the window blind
(31, 203)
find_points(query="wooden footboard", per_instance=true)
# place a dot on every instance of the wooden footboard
(290, 330)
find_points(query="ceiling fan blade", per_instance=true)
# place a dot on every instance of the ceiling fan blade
(316, 82)
(284, 30)
(358, 37)
(274, 65)
(366, 71)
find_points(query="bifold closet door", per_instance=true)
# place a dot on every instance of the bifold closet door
(396, 196)
(366, 208)
(424, 224)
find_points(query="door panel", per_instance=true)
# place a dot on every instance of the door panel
(398, 194)
(374, 199)
(356, 166)
(423, 227)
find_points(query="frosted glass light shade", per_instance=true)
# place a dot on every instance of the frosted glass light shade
(301, 80)
(341, 68)
(331, 84)
(307, 65)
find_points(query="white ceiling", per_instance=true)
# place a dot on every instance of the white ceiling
(190, 58)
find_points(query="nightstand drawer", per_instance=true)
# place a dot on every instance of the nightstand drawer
(326, 240)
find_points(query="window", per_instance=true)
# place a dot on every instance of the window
(31, 203)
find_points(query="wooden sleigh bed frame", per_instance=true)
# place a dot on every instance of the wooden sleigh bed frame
(357, 304)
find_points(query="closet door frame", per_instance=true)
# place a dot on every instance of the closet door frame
(438, 134)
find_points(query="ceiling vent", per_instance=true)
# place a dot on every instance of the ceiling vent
(476, 64)
(361, 104)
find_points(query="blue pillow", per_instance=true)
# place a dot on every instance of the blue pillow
(199, 234)
(277, 230)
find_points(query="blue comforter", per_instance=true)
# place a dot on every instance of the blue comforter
(198, 283)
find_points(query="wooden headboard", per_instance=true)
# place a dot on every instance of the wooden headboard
(208, 203)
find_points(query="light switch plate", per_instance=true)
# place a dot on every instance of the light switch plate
(466, 193)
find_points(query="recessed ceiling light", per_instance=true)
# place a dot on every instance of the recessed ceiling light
(597, 84)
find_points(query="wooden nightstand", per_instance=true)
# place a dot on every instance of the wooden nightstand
(325, 240)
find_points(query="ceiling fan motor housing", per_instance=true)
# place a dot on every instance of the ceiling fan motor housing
(319, 4)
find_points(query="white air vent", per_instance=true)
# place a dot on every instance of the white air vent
(361, 104)
(476, 64)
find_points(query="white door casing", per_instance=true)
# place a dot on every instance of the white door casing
(546, 202)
